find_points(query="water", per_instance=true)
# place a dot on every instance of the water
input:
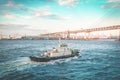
(98, 60)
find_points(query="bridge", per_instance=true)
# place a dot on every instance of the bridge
(87, 31)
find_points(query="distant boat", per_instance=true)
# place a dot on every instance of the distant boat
(60, 52)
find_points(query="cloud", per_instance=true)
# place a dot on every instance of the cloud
(46, 14)
(8, 29)
(42, 12)
(112, 4)
(7, 26)
(12, 4)
(113, 0)
(8, 15)
(33, 13)
(69, 3)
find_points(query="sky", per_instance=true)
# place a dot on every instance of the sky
(33, 17)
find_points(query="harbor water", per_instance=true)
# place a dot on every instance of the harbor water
(98, 60)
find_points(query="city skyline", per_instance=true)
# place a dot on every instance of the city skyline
(43, 16)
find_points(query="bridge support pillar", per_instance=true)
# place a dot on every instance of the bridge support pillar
(87, 35)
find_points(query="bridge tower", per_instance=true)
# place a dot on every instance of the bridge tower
(68, 35)
(118, 38)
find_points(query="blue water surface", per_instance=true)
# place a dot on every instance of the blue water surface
(98, 60)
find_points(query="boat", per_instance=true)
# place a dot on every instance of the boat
(60, 52)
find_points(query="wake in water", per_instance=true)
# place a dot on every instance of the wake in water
(22, 63)
(52, 62)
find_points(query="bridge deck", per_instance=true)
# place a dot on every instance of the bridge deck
(85, 30)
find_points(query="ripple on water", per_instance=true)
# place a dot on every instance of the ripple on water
(98, 60)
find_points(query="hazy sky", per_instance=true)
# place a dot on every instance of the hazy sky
(40, 16)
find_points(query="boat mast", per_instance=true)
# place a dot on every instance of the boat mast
(59, 42)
